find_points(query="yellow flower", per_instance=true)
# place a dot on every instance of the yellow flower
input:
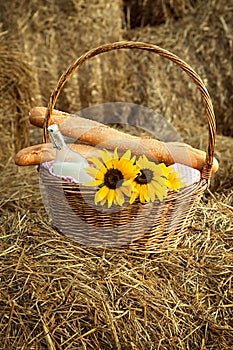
(174, 182)
(151, 183)
(114, 176)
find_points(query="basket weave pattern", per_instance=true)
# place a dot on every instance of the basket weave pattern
(138, 226)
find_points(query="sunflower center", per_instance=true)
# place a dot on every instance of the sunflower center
(145, 177)
(113, 178)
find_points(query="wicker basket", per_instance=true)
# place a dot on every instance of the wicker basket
(149, 227)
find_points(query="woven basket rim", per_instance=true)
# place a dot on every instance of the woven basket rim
(198, 186)
(48, 165)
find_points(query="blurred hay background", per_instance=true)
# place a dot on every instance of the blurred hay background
(55, 294)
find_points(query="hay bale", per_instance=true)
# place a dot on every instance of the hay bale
(141, 13)
(54, 34)
(204, 40)
(222, 181)
(16, 95)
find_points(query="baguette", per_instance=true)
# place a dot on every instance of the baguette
(98, 134)
(45, 152)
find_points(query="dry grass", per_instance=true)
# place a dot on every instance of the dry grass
(203, 38)
(57, 294)
(15, 97)
(140, 13)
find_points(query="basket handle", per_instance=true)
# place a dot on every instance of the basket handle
(206, 171)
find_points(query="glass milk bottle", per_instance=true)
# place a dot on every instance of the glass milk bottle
(67, 162)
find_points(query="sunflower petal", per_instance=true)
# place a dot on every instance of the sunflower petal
(91, 171)
(160, 191)
(101, 194)
(110, 197)
(151, 193)
(119, 197)
(93, 183)
(174, 181)
(134, 196)
(116, 154)
(145, 192)
(166, 170)
(126, 155)
(127, 188)
(101, 173)
(141, 194)
(133, 159)
(96, 161)
(102, 202)
(162, 181)
(106, 155)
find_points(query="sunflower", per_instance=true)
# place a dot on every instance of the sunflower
(174, 182)
(114, 177)
(151, 182)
